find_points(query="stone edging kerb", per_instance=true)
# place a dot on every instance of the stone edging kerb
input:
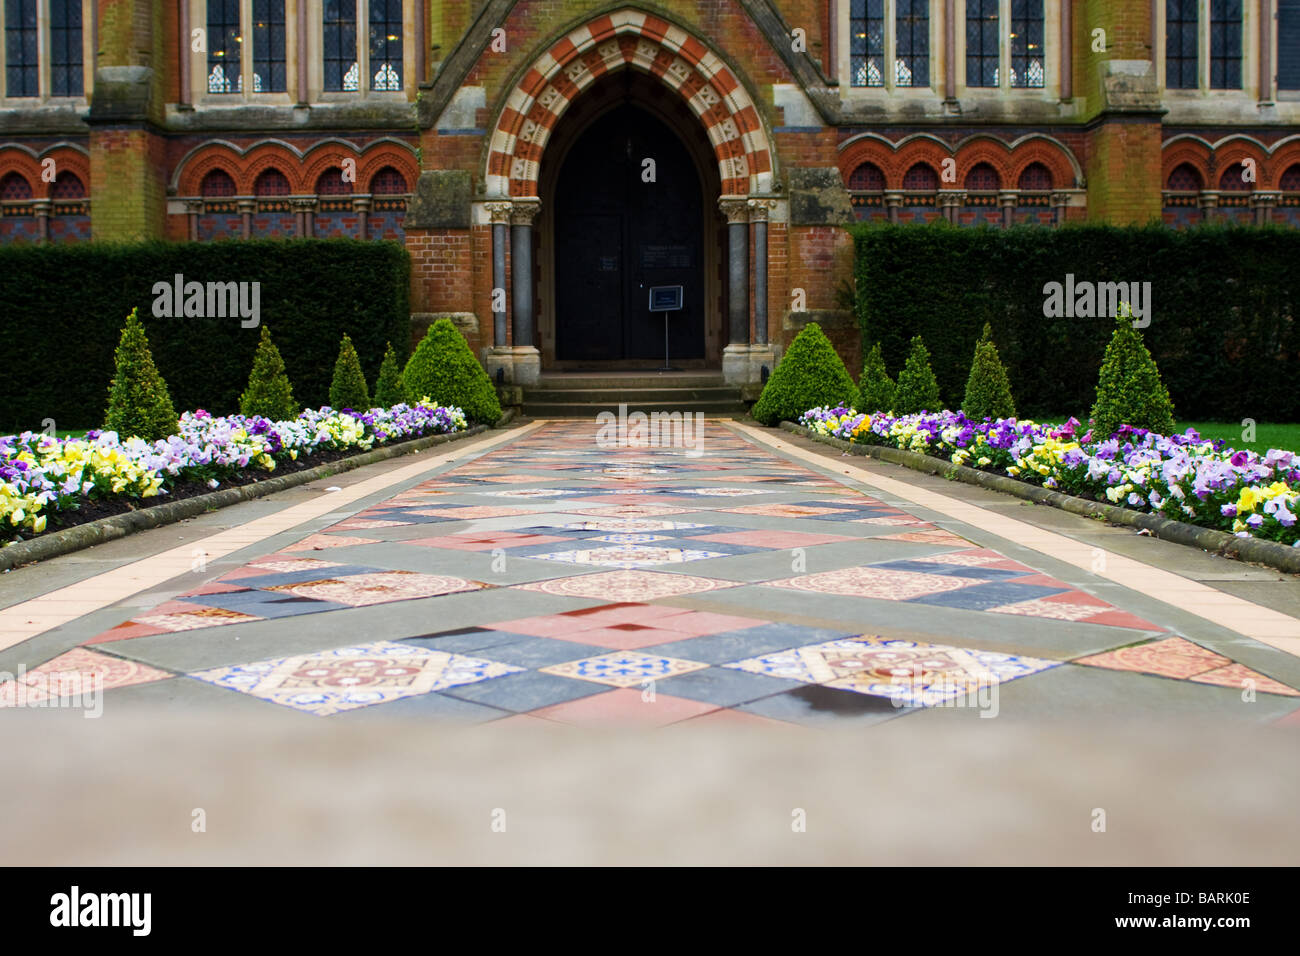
(1270, 553)
(113, 527)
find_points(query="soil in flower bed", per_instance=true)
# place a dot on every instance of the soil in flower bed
(93, 510)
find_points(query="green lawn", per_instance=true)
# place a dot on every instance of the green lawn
(1266, 436)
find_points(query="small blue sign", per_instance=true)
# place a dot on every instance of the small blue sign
(665, 298)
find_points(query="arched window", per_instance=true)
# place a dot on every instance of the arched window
(983, 178)
(332, 183)
(1035, 178)
(921, 177)
(68, 186)
(1231, 180)
(388, 182)
(1184, 179)
(15, 186)
(271, 182)
(1290, 181)
(867, 178)
(217, 184)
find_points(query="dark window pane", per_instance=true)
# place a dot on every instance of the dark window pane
(1181, 53)
(21, 47)
(268, 46)
(1288, 44)
(1027, 43)
(66, 60)
(385, 44)
(1225, 44)
(340, 33)
(224, 41)
(867, 43)
(981, 42)
(912, 42)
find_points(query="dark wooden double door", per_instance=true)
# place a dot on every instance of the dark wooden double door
(617, 233)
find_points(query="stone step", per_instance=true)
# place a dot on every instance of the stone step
(617, 381)
(591, 410)
(642, 396)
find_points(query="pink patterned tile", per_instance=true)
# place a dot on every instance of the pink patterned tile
(319, 542)
(1238, 676)
(772, 539)
(1171, 657)
(627, 585)
(936, 536)
(75, 673)
(881, 583)
(361, 590)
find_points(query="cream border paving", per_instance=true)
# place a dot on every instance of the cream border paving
(1258, 623)
(23, 621)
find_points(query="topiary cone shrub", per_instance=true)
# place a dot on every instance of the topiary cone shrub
(917, 389)
(444, 370)
(1129, 389)
(390, 390)
(269, 393)
(348, 387)
(875, 388)
(810, 375)
(988, 391)
(139, 404)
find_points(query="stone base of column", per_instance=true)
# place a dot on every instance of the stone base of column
(743, 364)
(522, 364)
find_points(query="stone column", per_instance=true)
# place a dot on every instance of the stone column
(737, 212)
(1264, 203)
(1209, 205)
(500, 356)
(41, 209)
(193, 209)
(305, 208)
(362, 205)
(893, 203)
(1059, 203)
(758, 213)
(951, 201)
(1007, 199)
(246, 209)
(527, 359)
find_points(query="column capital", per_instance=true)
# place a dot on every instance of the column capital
(362, 203)
(498, 212)
(760, 208)
(735, 208)
(303, 203)
(893, 198)
(42, 207)
(1060, 199)
(524, 211)
(247, 204)
(1008, 197)
(952, 197)
(1265, 198)
(194, 206)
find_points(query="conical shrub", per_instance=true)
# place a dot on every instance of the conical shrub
(1129, 389)
(810, 375)
(988, 390)
(348, 387)
(918, 389)
(875, 388)
(390, 390)
(139, 404)
(444, 370)
(269, 393)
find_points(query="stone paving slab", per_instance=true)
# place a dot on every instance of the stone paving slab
(572, 584)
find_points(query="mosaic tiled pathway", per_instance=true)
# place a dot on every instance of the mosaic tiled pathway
(553, 580)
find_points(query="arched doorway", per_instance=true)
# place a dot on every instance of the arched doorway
(629, 213)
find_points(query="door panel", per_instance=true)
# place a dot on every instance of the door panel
(618, 231)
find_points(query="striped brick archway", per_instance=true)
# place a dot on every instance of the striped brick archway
(642, 41)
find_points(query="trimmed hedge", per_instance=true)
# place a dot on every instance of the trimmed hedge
(1223, 328)
(810, 374)
(63, 307)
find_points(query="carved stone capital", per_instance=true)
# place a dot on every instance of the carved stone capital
(760, 209)
(735, 208)
(524, 211)
(498, 212)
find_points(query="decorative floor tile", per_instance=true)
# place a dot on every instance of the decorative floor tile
(632, 525)
(909, 673)
(871, 582)
(484, 540)
(329, 682)
(623, 668)
(360, 590)
(319, 542)
(937, 536)
(628, 556)
(784, 511)
(274, 564)
(628, 511)
(1180, 659)
(467, 512)
(633, 585)
(772, 539)
(76, 673)
(191, 620)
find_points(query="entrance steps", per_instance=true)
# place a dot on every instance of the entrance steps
(587, 394)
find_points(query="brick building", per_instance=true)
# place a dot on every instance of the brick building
(546, 161)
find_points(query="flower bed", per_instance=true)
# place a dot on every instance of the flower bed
(1182, 477)
(48, 482)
